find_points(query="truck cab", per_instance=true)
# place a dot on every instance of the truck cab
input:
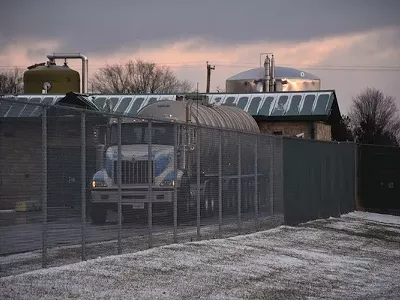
(179, 151)
(139, 172)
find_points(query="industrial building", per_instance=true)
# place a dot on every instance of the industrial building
(310, 115)
(283, 101)
(303, 111)
(306, 114)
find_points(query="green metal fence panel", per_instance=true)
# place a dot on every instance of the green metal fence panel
(379, 178)
(319, 179)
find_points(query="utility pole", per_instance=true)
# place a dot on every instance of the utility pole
(209, 68)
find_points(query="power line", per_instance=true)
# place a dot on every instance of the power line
(227, 64)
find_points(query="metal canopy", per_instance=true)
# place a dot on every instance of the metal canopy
(313, 103)
(274, 104)
(10, 110)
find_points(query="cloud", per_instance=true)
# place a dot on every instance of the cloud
(99, 26)
(23, 53)
(188, 59)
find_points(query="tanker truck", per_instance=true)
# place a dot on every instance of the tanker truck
(173, 135)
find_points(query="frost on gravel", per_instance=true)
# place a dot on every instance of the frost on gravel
(355, 256)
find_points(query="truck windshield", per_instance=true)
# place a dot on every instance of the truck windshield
(138, 133)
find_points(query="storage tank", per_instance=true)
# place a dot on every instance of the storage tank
(201, 113)
(50, 78)
(287, 79)
(224, 117)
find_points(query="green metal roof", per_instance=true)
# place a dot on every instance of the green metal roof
(12, 109)
(274, 105)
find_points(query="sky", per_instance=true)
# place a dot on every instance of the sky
(331, 39)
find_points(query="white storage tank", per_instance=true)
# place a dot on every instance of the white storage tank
(286, 79)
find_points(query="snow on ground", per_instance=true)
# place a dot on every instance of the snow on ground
(15, 264)
(355, 256)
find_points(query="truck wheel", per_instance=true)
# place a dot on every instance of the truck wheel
(98, 214)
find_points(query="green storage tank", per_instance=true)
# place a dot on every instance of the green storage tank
(51, 78)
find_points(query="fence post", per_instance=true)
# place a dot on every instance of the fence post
(220, 183)
(44, 187)
(119, 183)
(150, 186)
(239, 188)
(175, 200)
(272, 171)
(356, 199)
(256, 182)
(198, 141)
(83, 182)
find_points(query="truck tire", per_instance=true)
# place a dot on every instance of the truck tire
(98, 213)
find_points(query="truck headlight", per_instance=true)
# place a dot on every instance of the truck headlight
(98, 183)
(167, 183)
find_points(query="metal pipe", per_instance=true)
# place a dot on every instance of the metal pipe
(267, 71)
(272, 72)
(85, 66)
(261, 54)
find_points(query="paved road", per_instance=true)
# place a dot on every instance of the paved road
(22, 232)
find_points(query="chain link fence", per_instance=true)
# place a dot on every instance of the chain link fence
(78, 184)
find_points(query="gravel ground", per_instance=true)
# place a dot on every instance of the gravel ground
(356, 256)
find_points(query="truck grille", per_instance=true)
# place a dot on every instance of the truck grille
(133, 172)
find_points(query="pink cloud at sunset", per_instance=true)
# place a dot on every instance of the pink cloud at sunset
(188, 58)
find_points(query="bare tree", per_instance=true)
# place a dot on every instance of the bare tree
(341, 131)
(11, 82)
(374, 118)
(138, 77)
